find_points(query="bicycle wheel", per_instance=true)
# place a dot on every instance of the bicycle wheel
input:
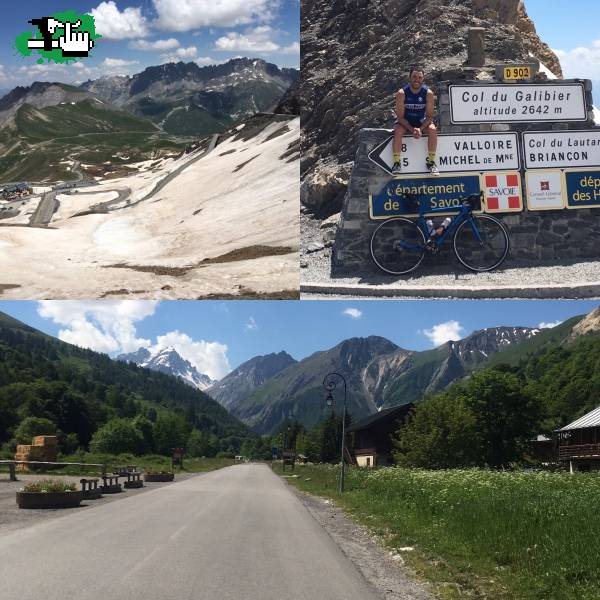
(481, 243)
(398, 246)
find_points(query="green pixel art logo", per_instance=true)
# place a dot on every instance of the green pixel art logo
(56, 39)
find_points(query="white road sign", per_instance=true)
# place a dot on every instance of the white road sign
(459, 152)
(548, 149)
(503, 103)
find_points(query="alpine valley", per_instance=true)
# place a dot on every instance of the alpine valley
(178, 182)
(40, 375)
(157, 112)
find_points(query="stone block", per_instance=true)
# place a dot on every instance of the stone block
(476, 47)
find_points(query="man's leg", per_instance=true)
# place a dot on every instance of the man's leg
(399, 131)
(431, 133)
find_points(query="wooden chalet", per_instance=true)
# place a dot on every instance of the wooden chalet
(373, 436)
(579, 442)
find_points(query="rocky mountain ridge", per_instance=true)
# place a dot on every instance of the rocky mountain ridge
(378, 373)
(250, 375)
(176, 92)
(182, 98)
(39, 94)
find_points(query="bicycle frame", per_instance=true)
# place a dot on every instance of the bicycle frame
(464, 214)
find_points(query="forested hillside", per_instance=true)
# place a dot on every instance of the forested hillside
(88, 397)
(490, 418)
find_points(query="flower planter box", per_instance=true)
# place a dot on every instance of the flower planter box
(49, 499)
(133, 484)
(159, 476)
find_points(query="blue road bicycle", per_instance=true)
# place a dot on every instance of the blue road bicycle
(480, 242)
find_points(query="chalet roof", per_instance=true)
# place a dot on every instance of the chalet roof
(591, 419)
(388, 413)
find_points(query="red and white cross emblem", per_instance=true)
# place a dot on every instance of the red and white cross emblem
(502, 191)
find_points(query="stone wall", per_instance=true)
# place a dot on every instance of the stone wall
(537, 237)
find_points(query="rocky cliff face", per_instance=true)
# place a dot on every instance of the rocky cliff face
(241, 382)
(589, 324)
(357, 53)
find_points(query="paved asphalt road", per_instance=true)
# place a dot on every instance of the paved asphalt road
(48, 204)
(233, 534)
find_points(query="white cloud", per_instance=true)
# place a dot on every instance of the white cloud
(112, 24)
(253, 40)
(183, 15)
(208, 357)
(444, 332)
(73, 71)
(291, 49)
(179, 55)
(101, 325)
(202, 61)
(581, 61)
(251, 325)
(353, 313)
(118, 62)
(156, 45)
(2, 73)
(544, 325)
(116, 66)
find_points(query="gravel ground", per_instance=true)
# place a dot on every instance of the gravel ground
(384, 570)
(578, 280)
(12, 517)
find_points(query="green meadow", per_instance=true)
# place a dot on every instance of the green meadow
(477, 533)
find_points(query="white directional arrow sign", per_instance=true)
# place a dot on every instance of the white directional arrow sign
(455, 153)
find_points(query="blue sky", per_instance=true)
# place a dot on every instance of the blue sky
(141, 33)
(572, 30)
(218, 336)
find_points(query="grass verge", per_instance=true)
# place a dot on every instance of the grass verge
(153, 462)
(478, 534)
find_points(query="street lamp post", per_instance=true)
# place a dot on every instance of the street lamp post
(330, 383)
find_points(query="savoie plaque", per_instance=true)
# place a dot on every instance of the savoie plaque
(517, 103)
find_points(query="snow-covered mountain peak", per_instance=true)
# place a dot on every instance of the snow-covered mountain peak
(168, 360)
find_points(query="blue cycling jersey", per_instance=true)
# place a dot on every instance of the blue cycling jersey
(414, 105)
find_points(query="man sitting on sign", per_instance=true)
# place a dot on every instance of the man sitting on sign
(414, 110)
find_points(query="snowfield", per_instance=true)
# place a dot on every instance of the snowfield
(225, 225)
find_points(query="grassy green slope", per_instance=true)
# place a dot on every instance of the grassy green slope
(194, 120)
(73, 119)
(83, 131)
(546, 338)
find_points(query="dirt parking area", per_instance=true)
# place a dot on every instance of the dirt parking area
(12, 517)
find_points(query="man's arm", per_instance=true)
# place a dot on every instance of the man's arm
(400, 111)
(429, 108)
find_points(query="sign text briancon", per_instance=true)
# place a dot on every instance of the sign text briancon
(549, 149)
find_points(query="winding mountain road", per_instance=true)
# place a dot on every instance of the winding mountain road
(237, 533)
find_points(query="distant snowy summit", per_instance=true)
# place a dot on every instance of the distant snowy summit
(168, 361)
